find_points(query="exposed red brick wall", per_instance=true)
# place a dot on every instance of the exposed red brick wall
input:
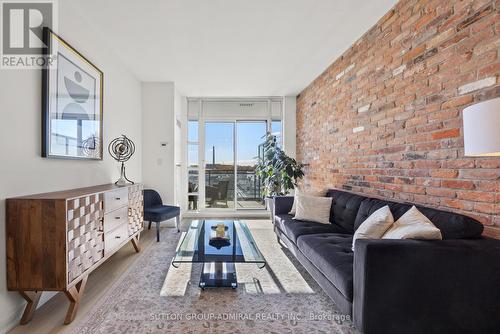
(385, 119)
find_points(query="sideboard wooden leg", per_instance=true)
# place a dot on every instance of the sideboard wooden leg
(135, 243)
(32, 297)
(74, 295)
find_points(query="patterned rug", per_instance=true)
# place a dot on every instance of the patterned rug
(154, 297)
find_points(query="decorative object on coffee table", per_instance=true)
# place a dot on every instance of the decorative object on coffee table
(72, 100)
(121, 149)
(218, 262)
(219, 237)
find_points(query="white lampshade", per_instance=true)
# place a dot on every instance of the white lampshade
(482, 129)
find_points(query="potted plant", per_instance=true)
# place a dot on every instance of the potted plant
(278, 172)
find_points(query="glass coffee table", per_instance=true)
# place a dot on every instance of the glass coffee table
(203, 244)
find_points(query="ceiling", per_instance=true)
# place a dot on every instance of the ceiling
(231, 47)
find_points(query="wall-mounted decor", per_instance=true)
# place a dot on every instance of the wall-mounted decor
(72, 94)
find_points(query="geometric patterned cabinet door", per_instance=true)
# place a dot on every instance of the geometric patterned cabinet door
(136, 210)
(55, 240)
(85, 234)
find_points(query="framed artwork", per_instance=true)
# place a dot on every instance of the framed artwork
(72, 96)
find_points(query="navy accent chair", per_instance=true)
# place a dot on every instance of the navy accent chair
(155, 211)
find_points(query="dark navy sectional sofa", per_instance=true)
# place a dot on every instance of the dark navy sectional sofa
(399, 286)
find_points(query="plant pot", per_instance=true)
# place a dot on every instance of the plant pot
(270, 206)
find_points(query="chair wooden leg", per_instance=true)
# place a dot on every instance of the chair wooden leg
(157, 231)
(178, 223)
(74, 295)
(135, 243)
(32, 297)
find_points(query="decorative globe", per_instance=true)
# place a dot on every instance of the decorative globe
(121, 149)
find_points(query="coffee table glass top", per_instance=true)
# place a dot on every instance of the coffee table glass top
(202, 243)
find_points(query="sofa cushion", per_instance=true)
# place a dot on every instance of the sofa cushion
(307, 193)
(375, 226)
(345, 207)
(452, 225)
(332, 255)
(412, 225)
(370, 205)
(279, 220)
(313, 208)
(295, 228)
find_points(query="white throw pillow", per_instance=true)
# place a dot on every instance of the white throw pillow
(314, 209)
(300, 192)
(413, 225)
(374, 226)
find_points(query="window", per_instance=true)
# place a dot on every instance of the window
(224, 139)
(276, 131)
(193, 165)
(193, 132)
(192, 155)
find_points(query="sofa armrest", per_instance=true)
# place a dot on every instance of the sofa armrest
(424, 286)
(282, 204)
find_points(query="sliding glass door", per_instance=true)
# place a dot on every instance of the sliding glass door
(224, 138)
(231, 150)
(249, 137)
(219, 165)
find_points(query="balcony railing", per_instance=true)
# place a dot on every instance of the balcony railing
(219, 189)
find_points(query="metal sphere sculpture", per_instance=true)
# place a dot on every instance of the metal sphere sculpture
(121, 149)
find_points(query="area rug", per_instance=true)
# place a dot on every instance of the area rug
(154, 297)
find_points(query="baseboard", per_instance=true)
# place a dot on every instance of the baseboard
(12, 321)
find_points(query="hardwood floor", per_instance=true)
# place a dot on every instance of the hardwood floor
(49, 318)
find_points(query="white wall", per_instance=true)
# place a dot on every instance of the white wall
(163, 110)
(157, 129)
(289, 125)
(23, 171)
(180, 133)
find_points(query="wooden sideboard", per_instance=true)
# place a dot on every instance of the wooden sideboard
(55, 240)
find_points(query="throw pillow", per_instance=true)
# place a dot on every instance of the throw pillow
(374, 226)
(413, 225)
(299, 192)
(313, 209)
